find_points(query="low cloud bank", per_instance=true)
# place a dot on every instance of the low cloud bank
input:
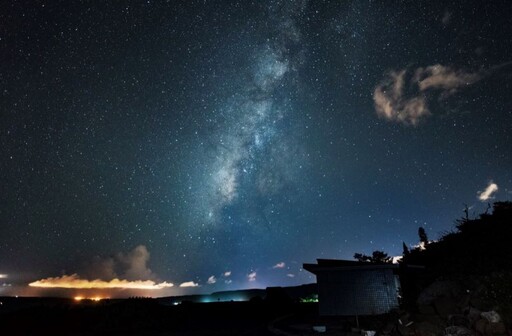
(74, 281)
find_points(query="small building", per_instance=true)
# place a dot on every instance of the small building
(349, 288)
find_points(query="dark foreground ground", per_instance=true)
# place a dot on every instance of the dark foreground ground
(47, 316)
(43, 316)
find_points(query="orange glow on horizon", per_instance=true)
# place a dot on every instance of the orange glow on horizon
(95, 298)
(74, 281)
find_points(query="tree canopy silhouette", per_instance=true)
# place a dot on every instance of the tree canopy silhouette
(377, 257)
(423, 236)
(405, 249)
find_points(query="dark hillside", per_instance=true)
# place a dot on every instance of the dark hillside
(479, 246)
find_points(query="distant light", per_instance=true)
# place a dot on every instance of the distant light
(310, 299)
(3, 276)
(81, 298)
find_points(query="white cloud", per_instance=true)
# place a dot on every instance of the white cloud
(402, 98)
(74, 281)
(488, 192)
(211, 280)
(290, 275)
(396, 259)
(189, 284)
(228, 281)
(227, 274)
(251, 276)
(279, 265)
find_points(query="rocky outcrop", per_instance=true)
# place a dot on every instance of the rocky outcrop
(454, 308)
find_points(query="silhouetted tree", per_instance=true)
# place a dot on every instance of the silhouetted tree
(461, 223)
(466, 211)
(380, 257)
(377, 257)
(423, 236)
(362, 257)
(488, 208)
(406, 249)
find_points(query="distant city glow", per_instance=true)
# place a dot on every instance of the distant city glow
(95, 298)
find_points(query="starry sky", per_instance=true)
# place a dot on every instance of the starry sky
(218, 145)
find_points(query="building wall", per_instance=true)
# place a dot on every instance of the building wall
(357, 292)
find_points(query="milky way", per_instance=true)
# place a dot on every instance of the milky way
(255, 121)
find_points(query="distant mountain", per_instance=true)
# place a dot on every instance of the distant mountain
(294, 293)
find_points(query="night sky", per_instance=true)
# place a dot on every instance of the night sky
(221, 144)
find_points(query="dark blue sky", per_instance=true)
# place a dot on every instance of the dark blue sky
(176, 141)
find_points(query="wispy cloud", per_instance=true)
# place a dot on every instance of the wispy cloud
(227, 274)
(279, 265)
(211, 280)
(488, 192)
(74, 281)
(391, 103)
(403, 96)
(443, 77)
(290, 275)
(189, 284)
(251, 276)
(132, 265)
